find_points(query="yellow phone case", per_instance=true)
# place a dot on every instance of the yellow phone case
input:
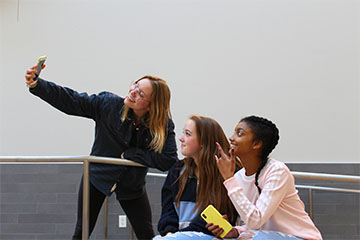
(211, 215)
(39, 64)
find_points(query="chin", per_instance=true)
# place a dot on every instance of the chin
(184, 154)
(127, 103)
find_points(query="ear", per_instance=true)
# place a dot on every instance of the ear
(257, 145)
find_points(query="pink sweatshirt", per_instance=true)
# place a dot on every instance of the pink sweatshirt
(278, 207)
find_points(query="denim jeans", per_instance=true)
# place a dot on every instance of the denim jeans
(185, 236)
(265, 235)
(247, 235)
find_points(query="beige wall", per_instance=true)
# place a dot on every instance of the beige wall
(295, 62)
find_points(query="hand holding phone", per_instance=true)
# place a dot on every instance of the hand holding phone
(211, 215)
(39, 66)
(32, 74)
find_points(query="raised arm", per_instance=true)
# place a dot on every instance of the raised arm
(64, 99)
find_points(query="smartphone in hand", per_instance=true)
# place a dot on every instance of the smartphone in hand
(211, 215)
(39, 65)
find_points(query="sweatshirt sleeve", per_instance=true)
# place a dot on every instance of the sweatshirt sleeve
(67, 100)
(272, 194)
(169, 220)
(162, 161)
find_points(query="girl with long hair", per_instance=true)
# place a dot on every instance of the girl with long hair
(194, 183)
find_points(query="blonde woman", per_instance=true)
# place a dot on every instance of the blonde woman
(137, 127)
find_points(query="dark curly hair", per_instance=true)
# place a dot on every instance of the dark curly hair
(265, 131)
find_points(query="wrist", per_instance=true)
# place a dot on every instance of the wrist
(32, 85)
(227, 176)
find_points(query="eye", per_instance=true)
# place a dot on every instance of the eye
(239, 133)
(187, 133)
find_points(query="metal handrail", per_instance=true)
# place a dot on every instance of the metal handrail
(86, 160)
(312, 176)
(326, 177)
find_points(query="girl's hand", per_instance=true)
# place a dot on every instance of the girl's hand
(225, 163)
(217, 231)
(30, 74)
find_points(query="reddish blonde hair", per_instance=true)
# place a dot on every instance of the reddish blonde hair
(210, 188)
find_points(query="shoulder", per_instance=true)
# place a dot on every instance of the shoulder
(276, 168)
(177, 166)
(109, 96)
(171, 124)
(109, 99)
(174, 171)
(275, 164)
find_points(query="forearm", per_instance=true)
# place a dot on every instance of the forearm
(64, 99)
(161, 161)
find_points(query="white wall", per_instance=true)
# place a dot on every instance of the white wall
(295, 62)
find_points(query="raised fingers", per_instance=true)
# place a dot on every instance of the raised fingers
(221, 151)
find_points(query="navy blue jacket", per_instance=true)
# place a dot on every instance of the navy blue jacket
(112, 138)
(172, 217)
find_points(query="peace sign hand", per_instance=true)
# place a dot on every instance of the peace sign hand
(225, 163)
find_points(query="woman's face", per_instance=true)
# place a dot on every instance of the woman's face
(139, 97)
(190, 146)
(242, 141)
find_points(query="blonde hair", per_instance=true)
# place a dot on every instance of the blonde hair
(159, 113)
(210, 188)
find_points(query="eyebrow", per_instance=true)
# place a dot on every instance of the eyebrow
(187, 130)
(237, 129)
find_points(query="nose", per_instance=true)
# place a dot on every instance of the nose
(181, 139)
(231, 138)
(133, 91)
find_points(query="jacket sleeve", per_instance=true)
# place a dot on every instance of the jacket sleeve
(256, 214)
(169, 219)
(67, 100)
(162, 161)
